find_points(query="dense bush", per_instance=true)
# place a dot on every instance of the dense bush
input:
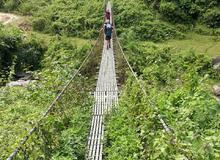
(9, 5)
(71, 18)
(172, 12)
(188, 11)
(21, 107)
(9, 42)
(39, 24)
(176, 87)
(29, 56)
(212, 18)
(18, 54)
(156, 31)
(135, 17)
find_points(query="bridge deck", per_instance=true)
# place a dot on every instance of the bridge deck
(106, 96)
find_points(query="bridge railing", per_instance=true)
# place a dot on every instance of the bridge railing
(124, 65)
(41, 141)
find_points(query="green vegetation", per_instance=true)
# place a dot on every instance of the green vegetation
(176, 75)
(177, 87)
(70, 17)
(170, 45)
(208, 45)
(188, 11)
(137, 20)
(52, 53)
(161, 20)
(21, 107)
(18, 53)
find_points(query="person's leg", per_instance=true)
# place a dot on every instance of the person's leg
(110, 43)
(107, 42)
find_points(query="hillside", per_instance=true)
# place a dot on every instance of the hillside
(50, 54)
(170, 45)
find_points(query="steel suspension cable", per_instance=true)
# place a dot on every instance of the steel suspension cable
(52, 105)
(165, 126)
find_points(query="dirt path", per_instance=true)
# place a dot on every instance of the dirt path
(7, 18)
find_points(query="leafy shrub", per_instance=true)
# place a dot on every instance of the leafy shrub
(176, 88)
(39, 24)
(202, 30)
(172, 12)
(30, 55)
(24, 105)
(156, 31)
(188, 11)
(15, 50)
(26, 8)
(135, 17)
(131, 13)
(71, 18)
(57, 27)
(1, 4)
(11, 4)
(10, 40)
(212, 18)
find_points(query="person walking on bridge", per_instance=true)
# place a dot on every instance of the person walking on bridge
(107, 14)
(108, 33)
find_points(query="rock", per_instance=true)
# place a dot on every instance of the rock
(216, 66)
(216, 63)
(18, 83)
(216, 60)
(216, 90)
(217, 98)
(24, 76)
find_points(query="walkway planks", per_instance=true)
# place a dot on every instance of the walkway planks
(106, 96)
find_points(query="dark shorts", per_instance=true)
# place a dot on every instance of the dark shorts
(108, 37)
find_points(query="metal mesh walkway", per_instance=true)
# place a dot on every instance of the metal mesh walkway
(106, 96)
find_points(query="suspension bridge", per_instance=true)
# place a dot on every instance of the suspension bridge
(105, 95)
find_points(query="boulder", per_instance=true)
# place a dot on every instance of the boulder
(216, 66)
(24, 76)
(18, 83)
(216, 60)
(216, 63)
(216, 90)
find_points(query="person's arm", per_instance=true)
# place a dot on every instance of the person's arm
(102, 28)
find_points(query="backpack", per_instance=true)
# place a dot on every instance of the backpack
(108, 29)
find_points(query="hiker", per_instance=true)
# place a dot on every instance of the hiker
(108, 33)
(107, 14)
